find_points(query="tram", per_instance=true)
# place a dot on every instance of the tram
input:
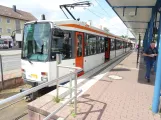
(81, 45)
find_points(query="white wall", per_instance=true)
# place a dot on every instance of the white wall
(18, 37)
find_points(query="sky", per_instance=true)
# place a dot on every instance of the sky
(100, 13)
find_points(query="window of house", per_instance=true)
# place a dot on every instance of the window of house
(8, 20)
(18, 26)
(0, 30)
(8, 30)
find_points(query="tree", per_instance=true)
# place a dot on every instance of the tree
(124, 36)
(106, 30)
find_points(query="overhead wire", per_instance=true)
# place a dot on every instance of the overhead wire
(99, 15)
(102, 8)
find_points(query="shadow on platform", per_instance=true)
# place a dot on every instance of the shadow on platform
(120, 69)
(142, 70)
(91, 103)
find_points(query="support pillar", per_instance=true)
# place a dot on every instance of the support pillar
(157, 87)
(151, 27)
(158, 39)
(145, 40)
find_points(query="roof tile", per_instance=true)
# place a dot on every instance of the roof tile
(19, 14)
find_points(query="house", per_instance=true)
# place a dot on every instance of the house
(12, 22)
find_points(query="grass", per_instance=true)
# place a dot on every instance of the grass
(73, 114)
(57, 99)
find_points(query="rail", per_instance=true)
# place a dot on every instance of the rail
(70, 87)
(34, 89)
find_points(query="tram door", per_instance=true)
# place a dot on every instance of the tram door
(107, 49)
(79, 51)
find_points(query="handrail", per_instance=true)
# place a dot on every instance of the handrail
(78, 69)
(34, 89)
(57, 110)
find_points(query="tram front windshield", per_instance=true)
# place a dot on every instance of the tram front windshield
(36, 41)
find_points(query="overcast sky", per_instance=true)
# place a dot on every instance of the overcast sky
(106, 18)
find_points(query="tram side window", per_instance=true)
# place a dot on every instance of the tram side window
(79, 46)
(94, 45)
(102, 41)
(112, 44)
(86, 47)
(98, 42)
(118, 44)
(90, 48)
(124, 44)
(60, 45)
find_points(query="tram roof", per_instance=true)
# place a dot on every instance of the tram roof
(135, 14)
(69, 21)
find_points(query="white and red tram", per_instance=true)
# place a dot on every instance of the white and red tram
(81, 45)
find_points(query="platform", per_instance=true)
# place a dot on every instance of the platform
(121, 94)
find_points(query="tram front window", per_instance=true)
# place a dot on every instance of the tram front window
(36, 41)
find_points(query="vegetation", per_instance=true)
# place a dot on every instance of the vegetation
(124, 36)
(106, 30)
(56, 99)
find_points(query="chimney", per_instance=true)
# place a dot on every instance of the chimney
(14, 8)
(43, 17)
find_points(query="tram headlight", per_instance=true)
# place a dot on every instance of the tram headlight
(44, 76)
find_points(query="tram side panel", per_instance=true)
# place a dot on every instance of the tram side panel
(118, 48)
(94, 54)
(112, 49)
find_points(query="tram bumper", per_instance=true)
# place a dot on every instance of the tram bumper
(33, 82)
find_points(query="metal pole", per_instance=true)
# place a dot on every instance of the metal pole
(31, 90)
(1, 71)
(70, 87)
(57, 110)
(158, 39)
(151, 27)
(157, 87)
(115, 47)
(138, 49)
(69, 12)
(75, 94)
(57, 75)
(145, 39)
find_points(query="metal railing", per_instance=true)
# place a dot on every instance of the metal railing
(70, 88)
(34, 89)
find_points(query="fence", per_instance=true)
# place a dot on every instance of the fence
(34, 89)
(10, 70)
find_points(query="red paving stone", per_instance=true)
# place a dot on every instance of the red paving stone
(127, 99)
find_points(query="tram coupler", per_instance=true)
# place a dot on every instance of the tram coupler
(31, 96)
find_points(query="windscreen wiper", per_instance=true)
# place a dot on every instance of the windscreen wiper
(29, 59)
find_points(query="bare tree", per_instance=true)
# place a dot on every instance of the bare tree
(106, 30)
